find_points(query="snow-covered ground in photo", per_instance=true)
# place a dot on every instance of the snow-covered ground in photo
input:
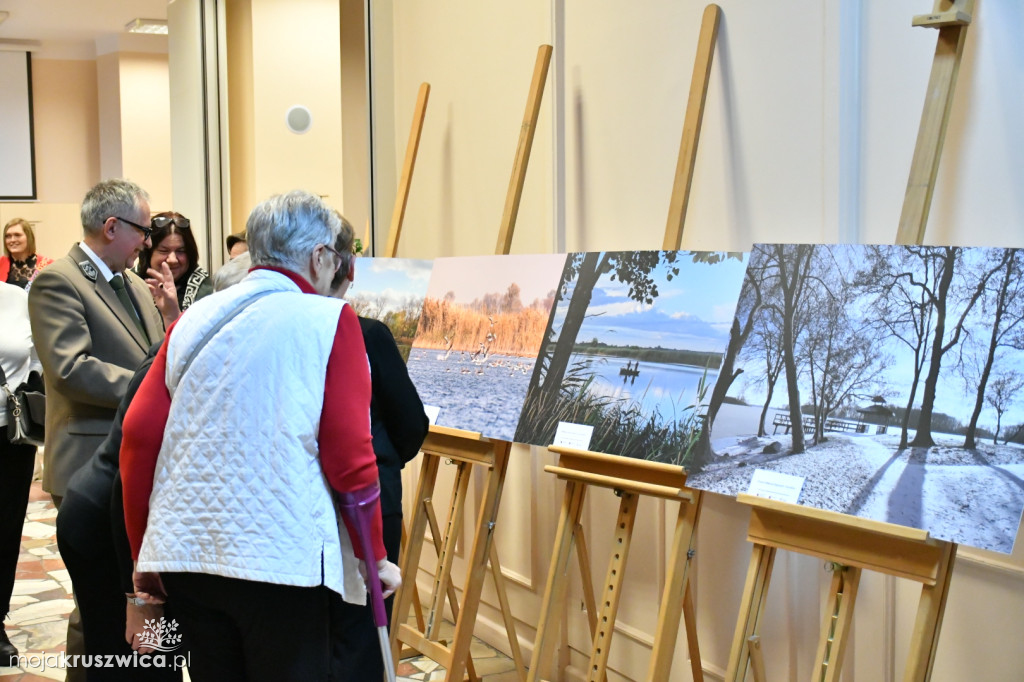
(972, 497)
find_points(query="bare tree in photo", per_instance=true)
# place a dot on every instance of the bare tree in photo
(841, 356)
(765, 343)
(902, 308)
(1003, 303)
(1002, 393)
(792, 267)
(948, 300)
(748, 309)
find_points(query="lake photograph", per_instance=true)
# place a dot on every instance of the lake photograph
(634, 342)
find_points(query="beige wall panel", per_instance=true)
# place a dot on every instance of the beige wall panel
(479, 60)
(240, 112)
(355, 128)
(67, 139)
(146, 125)
(977, 199)
(627, 74)
(296, 62)
(108, 85)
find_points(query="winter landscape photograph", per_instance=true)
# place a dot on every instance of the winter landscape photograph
(887, 377)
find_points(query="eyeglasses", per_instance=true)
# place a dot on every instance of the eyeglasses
(339, 261)
(147, 232)
(162, 221)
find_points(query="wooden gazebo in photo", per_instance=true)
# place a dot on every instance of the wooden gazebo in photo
(876, 413)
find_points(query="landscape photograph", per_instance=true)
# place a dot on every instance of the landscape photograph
(634, 343)
(479, 333)
(391, 290)
(888, 378)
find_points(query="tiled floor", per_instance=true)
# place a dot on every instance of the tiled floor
(42, 601)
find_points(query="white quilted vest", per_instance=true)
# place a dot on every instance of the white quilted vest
(239, 490)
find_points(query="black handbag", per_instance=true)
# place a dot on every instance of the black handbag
(26, 410)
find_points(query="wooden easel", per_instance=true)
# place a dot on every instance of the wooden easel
(394, 234)
(630, 478)
(466, 450)
(850, 543)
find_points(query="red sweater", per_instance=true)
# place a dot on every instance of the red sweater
(346, 446)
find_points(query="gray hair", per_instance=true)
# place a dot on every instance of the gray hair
(115, 198)
(284, 229)
(232, 272)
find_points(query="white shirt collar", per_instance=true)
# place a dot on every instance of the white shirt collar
(107, 273)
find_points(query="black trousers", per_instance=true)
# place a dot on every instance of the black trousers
(86, 544)
(241, 630)
(16, 465)
(355, 648)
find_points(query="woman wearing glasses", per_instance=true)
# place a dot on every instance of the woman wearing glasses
(171, 266)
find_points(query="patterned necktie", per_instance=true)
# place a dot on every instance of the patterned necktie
(117, 283)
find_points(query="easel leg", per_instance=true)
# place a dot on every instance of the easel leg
(929, 620)
(412, 551)
(755, 592)
(832, 647)
(586, 577)
(675, 598)
(612, 588)
(453, 597)
(554, 592)
(446, 557)
(477, 560)
(417, 607)
(506, 612)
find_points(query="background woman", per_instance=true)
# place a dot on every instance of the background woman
(174, 246)
(18, 358)
(20, 263)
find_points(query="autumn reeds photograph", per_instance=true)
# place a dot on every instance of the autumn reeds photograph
(888, 378)
(391, 290)
(479, 333)
(634, 343)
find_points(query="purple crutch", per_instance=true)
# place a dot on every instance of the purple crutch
(356, 507)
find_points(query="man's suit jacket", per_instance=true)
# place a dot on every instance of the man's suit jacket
(89, 348)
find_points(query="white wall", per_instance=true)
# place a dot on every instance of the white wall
(810, 125)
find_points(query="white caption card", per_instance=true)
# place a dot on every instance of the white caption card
(570, 435)
(776, 486)
(432, 412)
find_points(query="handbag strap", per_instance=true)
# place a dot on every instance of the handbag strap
(217, 327)
(3, 383)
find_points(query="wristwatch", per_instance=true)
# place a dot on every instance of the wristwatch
(135, 601)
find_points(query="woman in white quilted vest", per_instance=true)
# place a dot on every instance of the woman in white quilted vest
(256, 406)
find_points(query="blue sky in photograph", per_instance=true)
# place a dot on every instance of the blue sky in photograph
(955, 394)
(390, 280)
(692, 312)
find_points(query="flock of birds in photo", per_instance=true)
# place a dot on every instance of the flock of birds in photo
(481, 354)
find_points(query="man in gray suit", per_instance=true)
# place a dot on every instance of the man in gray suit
(92, 322)
(88, 338)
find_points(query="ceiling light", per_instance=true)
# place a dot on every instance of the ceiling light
(146, 26)
(3, 16)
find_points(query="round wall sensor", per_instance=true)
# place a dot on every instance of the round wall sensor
(298, 119)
